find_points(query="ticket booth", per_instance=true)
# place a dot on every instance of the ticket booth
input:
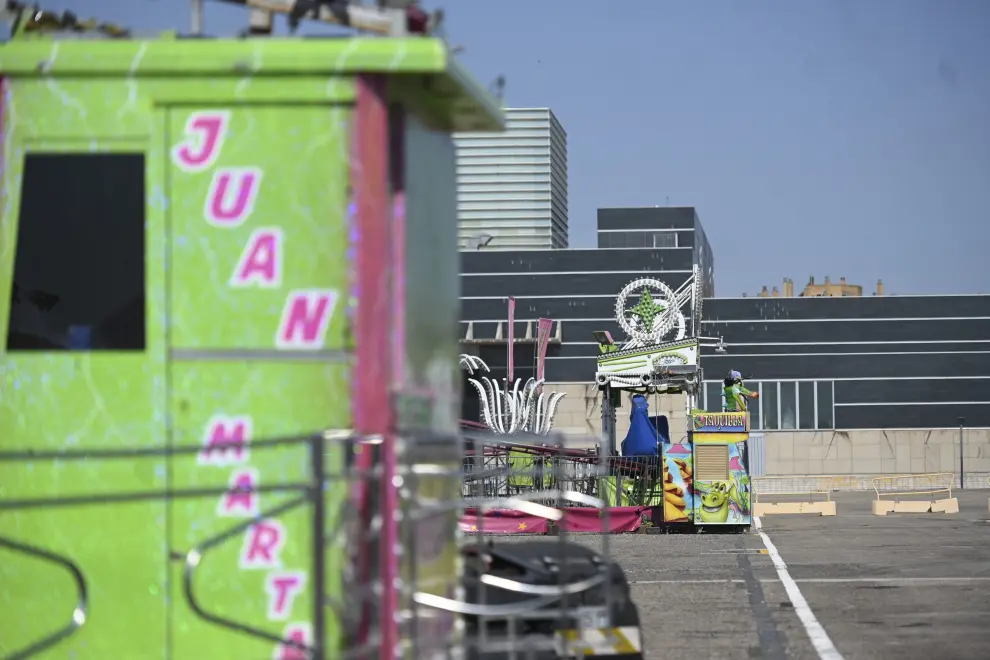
(720, 471)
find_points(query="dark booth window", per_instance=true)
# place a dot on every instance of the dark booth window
(79, 268)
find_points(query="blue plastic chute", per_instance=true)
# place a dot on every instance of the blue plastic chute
(645, 432)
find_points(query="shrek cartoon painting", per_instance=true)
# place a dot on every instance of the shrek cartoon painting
(719, 499)
(715, 502)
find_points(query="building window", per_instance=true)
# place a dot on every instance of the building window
(664, 239)
(755, 416)
(79, 266)
(713, 397)
(784, 406)
(806, 405)
(769, 405)
(788, 406)
(638, 239)
(824, 393)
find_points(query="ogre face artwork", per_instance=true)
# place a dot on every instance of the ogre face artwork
(715, 503)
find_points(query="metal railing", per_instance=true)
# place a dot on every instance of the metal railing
(495, 468)
(906, 485)
(810, 488)
(341, 503)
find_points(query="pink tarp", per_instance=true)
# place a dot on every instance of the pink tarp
(620, 519)
(502, 521)
(576, 519)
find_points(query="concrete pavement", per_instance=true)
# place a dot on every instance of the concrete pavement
(904, 587)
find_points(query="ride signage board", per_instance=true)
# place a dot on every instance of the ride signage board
(720, 422)
(662, 345)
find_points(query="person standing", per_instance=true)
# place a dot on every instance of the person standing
(736, 394)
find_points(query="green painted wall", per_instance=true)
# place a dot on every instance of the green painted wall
(211, 352)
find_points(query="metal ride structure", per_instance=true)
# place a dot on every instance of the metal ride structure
(703, 477)
(525, 409)
(270, 464)
(507, 464)
(512, 406)
(664, 337)
(662, 349)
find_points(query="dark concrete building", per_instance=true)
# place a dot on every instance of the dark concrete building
(659, 227)
(578, 287)
(879, 362)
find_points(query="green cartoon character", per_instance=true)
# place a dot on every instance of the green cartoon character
(743, 493)
(715, 502)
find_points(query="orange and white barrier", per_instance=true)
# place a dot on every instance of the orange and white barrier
(915, 493)
(810, 494)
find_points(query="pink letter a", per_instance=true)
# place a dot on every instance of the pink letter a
(261, 261)
(301, 633)
(241, 501)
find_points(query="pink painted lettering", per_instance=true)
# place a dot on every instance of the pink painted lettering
(300, 633)
(305, 319)
(226, 441)
(241, 501)
(230, 200)
(263, 545)
(204, 136)
(261, 261)
(282, 589)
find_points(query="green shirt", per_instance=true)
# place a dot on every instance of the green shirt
(735, 397)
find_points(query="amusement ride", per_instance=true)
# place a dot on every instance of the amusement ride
(525, 408)
(703, 477)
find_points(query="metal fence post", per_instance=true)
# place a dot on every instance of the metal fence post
(962, 461)
(318, 475)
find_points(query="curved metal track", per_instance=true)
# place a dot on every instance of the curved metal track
(78, 617)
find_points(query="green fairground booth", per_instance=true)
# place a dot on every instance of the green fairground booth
(221, 261)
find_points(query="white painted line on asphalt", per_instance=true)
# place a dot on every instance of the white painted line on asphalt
(689, 581)
(816, 633)
(906, 581)
(736, 551)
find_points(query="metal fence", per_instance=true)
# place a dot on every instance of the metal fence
(497, 468)
(339, 486)
(305, 492)
(580, 612)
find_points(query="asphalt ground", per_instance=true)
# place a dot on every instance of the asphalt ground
(901, 586)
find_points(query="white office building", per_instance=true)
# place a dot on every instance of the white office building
(512, 186)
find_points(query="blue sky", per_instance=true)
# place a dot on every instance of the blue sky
(815, 137)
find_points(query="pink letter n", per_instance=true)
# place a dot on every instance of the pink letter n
(305, 319)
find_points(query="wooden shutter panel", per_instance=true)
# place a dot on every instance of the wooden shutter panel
(711, 462)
